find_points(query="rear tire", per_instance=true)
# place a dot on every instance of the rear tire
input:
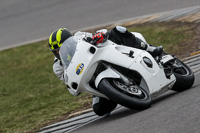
(130, 100)
(184, 77)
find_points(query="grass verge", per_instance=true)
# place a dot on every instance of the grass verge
(32, 96)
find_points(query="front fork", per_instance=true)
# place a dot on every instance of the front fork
(167, 62)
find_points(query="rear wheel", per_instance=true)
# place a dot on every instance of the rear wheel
(126, 94)
(184, 76)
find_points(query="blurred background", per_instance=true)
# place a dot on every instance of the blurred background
(26, 20)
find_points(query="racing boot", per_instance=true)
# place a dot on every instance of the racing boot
(155, 51)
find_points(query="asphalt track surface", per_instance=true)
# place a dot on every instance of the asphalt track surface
(22, 21)
(171, 113)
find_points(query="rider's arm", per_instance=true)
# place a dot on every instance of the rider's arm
(58, 69)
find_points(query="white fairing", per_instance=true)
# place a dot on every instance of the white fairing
(108, 73)
(82, 66)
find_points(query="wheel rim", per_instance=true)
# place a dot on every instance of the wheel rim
(130, 88)
(180, 69)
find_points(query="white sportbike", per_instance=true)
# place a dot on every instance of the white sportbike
(126, 75)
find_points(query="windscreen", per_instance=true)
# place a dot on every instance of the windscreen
(67, 51)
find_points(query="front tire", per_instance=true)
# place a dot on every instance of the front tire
(114, 89)
(184, 76)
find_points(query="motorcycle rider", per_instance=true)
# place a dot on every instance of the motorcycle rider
(119, 35)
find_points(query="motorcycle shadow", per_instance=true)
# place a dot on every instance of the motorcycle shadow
(119, 113)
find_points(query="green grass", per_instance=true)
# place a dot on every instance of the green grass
(170, 36)
(31, 95)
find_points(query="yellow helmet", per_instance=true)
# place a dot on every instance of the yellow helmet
(57, 38)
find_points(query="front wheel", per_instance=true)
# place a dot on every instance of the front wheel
(184, 76)
(129, 95)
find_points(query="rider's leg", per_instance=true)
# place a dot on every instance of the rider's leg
(121, 35)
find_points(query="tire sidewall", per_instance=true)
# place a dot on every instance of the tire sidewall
(183, 82)
(111, 92)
